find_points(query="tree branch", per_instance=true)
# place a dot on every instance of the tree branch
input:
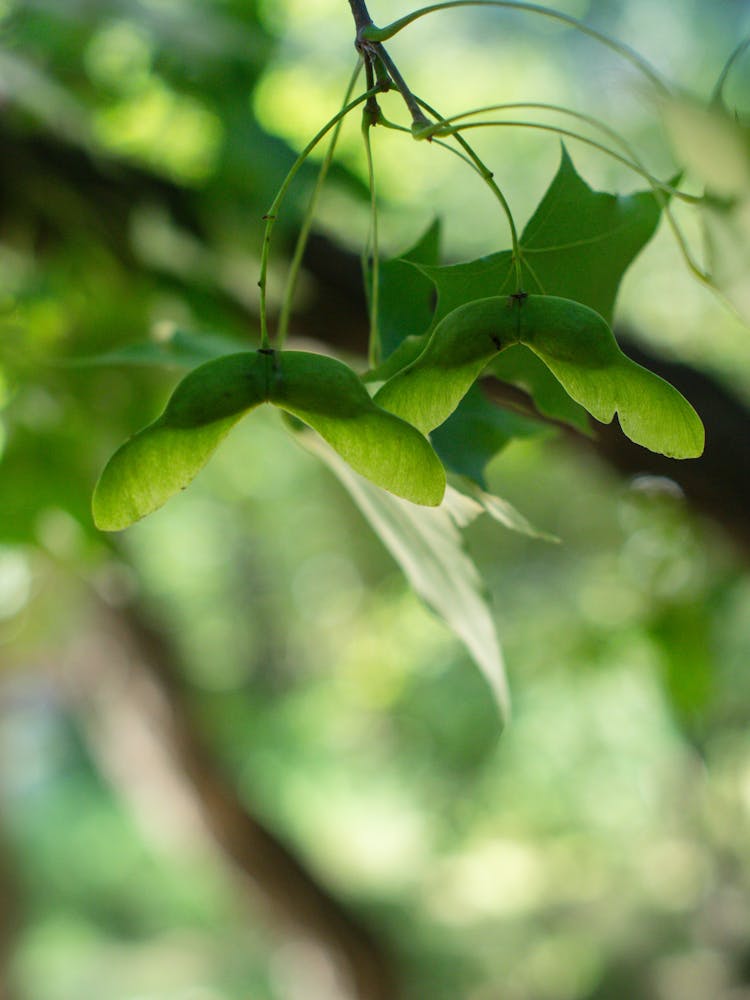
(295, 898)
(361, 16)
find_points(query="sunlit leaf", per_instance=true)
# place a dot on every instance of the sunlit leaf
(164, 457)
(428, 546)
(715, 148)
(727, 229)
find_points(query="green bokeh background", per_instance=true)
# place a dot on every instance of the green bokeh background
(599, 849)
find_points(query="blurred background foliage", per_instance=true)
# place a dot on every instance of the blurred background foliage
(600, 848)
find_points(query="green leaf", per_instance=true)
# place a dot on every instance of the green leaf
(427, 391)
(519, 366)
(428, 546)
(476, 431)
(164, 457)
(577, 245)
(578, 347)
(580, 242)
(573, 341)
(458, 284)
(406, 297)
(328, 396)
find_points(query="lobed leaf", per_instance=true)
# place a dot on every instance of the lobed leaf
(711, 144)
(727, 232)
(715, 147)
(577, 245)
(406, 296)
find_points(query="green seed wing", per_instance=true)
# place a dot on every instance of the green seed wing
(427, 391)
(164, 457)
(328, 396)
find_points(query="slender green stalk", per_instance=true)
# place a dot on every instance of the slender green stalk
(488, 177)
(716, 97)
(580, 116)
(458, 153)
(307, 221)
(374, 250)
(272, 212)
(567, 133)
(375, 34)
(395, 127)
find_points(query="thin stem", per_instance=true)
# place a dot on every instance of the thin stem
(375, 34)
(418, 119)
(272, 212)
(716, 97)
(488, 177)
(307, 221)
(543, 127)
(588, 119)
(386, 123)
(374, 270)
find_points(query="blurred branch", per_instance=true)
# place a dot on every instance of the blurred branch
(133, 678)
(60, 188)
